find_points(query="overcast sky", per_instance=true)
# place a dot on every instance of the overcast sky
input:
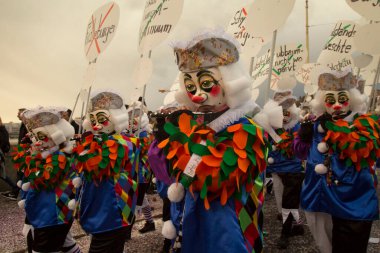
(42, 60)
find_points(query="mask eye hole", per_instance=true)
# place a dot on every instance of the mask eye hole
(330, 100)
(207, 82)
(190, 86)
(342, 99)
(286, 113)
(41, 136)
(92, 120)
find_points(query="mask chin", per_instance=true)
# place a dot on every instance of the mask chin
(340, 114)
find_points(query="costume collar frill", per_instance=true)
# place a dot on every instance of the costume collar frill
(355, 139)
(233, 154)
(105, 156)
(43, 170)
(287, 135)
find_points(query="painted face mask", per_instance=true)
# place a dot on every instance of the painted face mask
(204, 88)
(43, 138)
(100, 122)
(135, 114)
(287, 116)
(337, 103)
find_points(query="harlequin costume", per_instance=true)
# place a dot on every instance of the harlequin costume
(48, 181)
(286, 169)
(341, 146)
(105, 159)
(219, 160)
(171, 211)
(142, 173)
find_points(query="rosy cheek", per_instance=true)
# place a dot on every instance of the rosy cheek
(328, 105)
(46, 139)
(345, 104)
(106, 123)
(190, 95)
(215, 90)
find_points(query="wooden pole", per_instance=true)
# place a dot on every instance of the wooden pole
(307, 32)
(270, 65)
(251, 65)
(142, 104)
(75, 105)
(374, 87)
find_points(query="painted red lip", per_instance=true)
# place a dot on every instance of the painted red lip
(198, 99)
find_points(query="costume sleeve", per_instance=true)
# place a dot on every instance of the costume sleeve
(158, 163)
(301, 148)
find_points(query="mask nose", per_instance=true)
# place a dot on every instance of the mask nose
(337, 107)
(198, 99)
(97, 127)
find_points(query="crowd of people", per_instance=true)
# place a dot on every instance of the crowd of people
(210, 153)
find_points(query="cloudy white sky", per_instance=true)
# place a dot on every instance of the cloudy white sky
(41, 46)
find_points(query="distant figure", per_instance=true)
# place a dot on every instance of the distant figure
(4, 148)
(66, 115)
(23, 130)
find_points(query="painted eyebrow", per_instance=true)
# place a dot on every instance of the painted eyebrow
(101, 113)
(342, 93)
(187, 75)
(203, 72)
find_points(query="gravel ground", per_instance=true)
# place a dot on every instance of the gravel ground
(11, 223)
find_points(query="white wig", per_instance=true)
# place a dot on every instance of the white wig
(237, 86)
(60, 132)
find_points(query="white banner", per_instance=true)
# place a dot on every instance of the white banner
(367, 39)
(159, 19)
(260, 69)
(369, 9)
(267, 16)
(237, 27)
(101, 29)
(143, 71)
(336, 54)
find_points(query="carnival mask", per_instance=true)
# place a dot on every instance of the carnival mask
(287, 116)
(337, 103)
(100, 122)
(204, 88)
(135, 114)
(44, 140)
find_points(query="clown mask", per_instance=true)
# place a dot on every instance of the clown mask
(44, 140)
(100, 122)
(287, 116)
(337, 104)
(135, 114)
(204, 88)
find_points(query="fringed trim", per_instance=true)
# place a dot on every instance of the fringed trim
(229, 162)
(356, 142)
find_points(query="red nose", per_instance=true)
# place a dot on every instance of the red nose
(337, 107)
(197, 99)
(96, 128)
